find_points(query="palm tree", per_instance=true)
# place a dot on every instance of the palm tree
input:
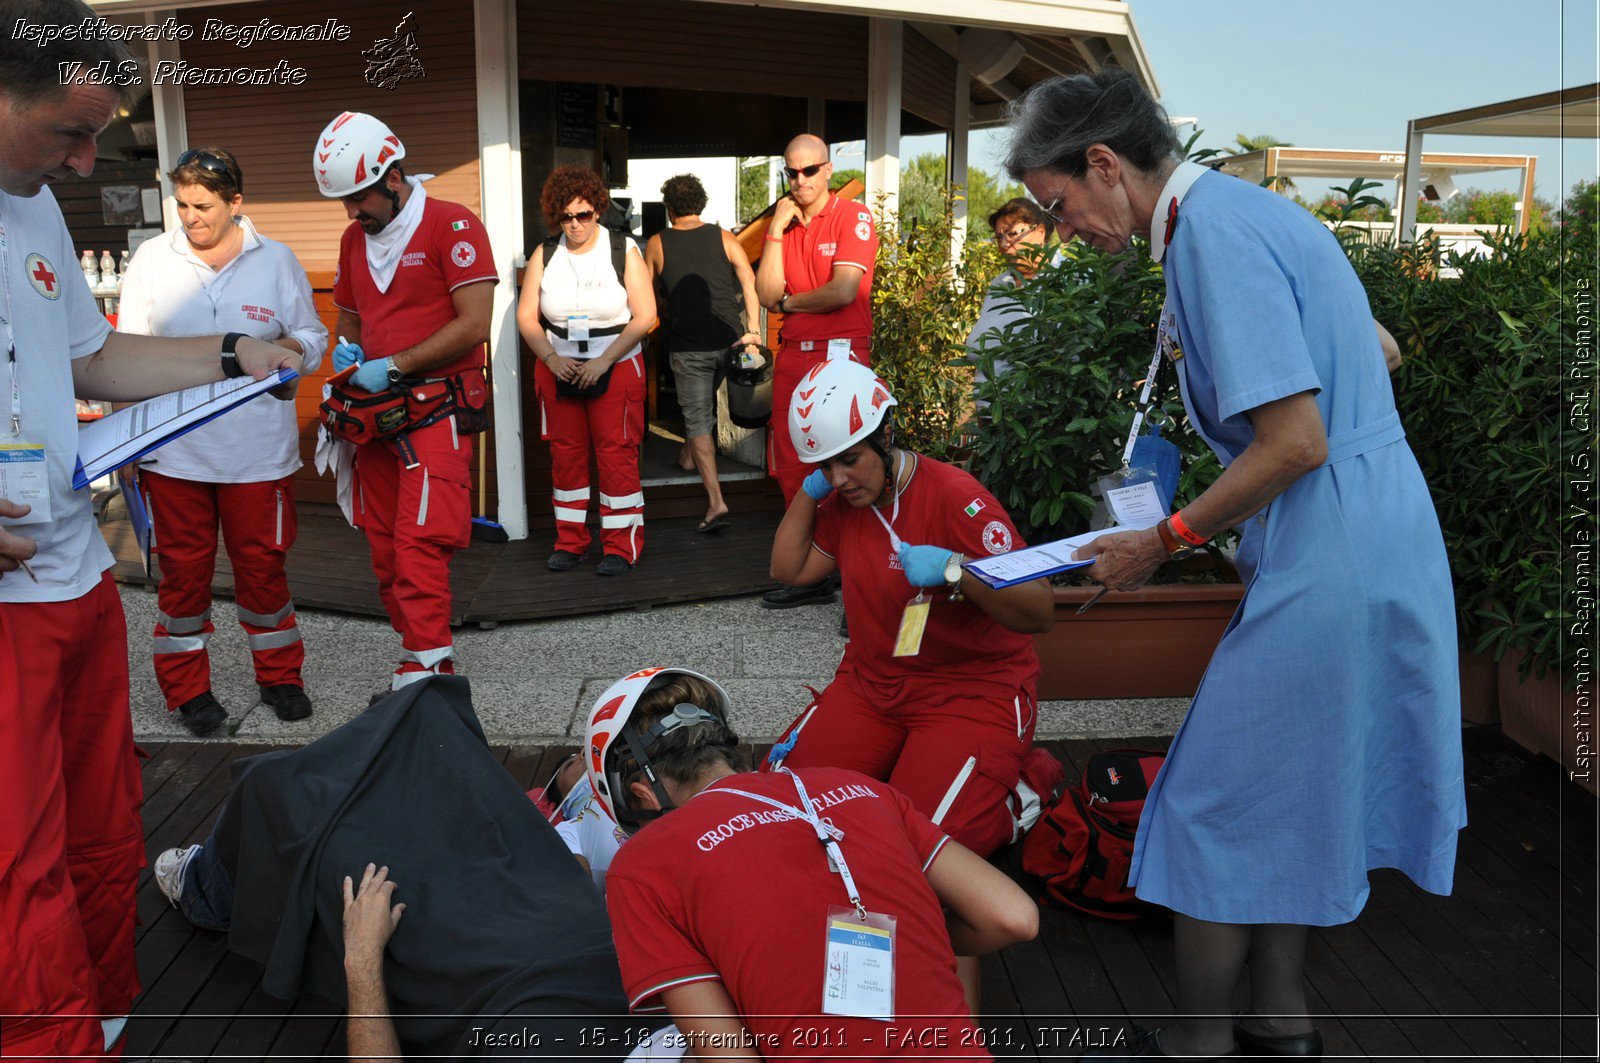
(1246, 144)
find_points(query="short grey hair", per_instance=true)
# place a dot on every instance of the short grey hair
(1054, 123)
(31, 72)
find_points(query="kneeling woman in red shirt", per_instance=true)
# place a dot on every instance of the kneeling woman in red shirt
(763, 929)
(945, 718)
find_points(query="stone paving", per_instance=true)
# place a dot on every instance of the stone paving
(534, 682)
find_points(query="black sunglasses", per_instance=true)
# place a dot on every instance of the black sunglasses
(209, 162)
(584, 216)
(794, 173)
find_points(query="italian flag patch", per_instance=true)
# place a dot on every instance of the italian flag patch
(457, 226)
(974, 508)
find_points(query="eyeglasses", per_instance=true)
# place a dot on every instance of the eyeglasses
(583, 217)
(1050, 211)
(1015, 235)
(794, 173)
(210, 163)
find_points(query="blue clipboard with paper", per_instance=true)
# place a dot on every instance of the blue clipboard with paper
(138, 513)
(1020, 566)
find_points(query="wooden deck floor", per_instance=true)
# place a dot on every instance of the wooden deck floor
(1503, 968)
(329, 568)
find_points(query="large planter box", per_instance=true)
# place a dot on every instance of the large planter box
(1480, 687)
(1154, 642)
(1540, 716)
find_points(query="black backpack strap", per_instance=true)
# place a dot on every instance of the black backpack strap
(619, 255)
(548, 250)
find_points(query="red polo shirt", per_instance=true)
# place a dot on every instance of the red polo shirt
(842, 234)
(450, 248)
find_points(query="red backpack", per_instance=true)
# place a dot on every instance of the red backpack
(1083, 845)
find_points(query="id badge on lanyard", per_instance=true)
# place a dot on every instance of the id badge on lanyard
(24, 465)
(914, 618)
(858, 958)
(578, 328)
(838, 349)
(1130, 492)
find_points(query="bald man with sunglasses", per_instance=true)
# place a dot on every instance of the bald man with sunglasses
(816, 270)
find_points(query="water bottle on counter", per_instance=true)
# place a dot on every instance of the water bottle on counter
(108, 270)
(122, 265)
(91, 273)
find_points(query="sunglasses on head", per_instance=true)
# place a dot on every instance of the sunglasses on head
(794, 173)
(582, 216)
(210, 163)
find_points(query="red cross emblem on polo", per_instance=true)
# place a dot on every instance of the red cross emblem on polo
(42, 276)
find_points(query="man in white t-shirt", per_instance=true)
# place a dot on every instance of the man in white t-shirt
(70, 839)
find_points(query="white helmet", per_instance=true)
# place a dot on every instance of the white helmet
(606, 737)
(835, 406)
(353, 152)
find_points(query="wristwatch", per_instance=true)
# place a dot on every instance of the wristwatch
(952, 575)
(1176, 547)
(230, 356)
(783, 303)
(395, 375)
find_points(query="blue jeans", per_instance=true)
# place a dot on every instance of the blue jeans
(206, 899)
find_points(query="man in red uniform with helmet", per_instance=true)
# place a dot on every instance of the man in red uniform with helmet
(816, 270)
(415, 290)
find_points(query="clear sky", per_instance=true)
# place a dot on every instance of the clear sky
(1349, 74)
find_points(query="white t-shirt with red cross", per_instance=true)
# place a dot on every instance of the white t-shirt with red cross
(53, 319)
(942, 506)
(842, 234)
(449, 249)
(729, 889)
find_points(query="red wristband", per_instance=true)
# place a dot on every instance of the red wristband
(1184, 533)
(774, 239)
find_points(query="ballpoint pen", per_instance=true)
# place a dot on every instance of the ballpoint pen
(28, 569)
(1101, 593)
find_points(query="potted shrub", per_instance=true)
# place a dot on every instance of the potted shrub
(1500, 430)
(1056, 421)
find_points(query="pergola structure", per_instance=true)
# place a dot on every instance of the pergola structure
(1289, 162)
(1573, 112)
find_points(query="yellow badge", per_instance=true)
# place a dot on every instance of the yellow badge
(912, 624)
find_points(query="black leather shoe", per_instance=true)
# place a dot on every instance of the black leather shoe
(287, 700)
(612, 565)
(789, 597)
(563, 561)
(1146, 1044)
(1290, 1044)
(203, 715)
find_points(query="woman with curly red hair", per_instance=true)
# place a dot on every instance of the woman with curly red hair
(586, 304)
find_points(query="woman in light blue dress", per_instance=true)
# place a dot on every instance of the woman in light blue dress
(1324, 740)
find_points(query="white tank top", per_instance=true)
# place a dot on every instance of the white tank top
(585, 284)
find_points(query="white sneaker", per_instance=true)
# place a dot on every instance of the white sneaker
(169, 871)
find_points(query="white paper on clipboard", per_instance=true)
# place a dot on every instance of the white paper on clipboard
(1047, 559)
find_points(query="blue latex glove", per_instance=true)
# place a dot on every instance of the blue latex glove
(817, 485)
(346, 355)
(372, 376)
(924, 565)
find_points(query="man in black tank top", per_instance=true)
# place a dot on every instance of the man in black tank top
(705, 282)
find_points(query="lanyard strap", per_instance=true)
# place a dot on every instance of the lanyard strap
(773, 803)
(1146, 394)
(894, 515)
(835, 854)
(11, 339)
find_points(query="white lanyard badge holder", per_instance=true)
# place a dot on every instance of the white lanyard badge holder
(24, 465)
(1133, 493)
(914, 619)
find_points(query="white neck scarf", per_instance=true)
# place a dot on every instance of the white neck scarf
(385, 249)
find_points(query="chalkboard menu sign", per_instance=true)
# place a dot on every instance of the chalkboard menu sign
(575, 116)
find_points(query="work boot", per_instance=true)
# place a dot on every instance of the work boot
(203, 714)
(789, 597)
(563, 561)
(612, 565)
(287, 700)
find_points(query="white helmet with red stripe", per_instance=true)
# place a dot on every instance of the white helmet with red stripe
(836, 405)
(353, 152)
(606, 739)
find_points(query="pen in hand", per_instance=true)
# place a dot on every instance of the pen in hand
(1101, 593)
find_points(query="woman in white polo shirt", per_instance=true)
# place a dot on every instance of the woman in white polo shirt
(217, 274)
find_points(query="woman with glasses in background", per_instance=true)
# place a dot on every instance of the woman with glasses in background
(586, 303)
(216, 273)
(1022, 233)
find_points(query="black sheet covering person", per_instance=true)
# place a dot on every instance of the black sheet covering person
(504, 940)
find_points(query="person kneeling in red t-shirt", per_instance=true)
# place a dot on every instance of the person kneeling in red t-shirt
(783, 913)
